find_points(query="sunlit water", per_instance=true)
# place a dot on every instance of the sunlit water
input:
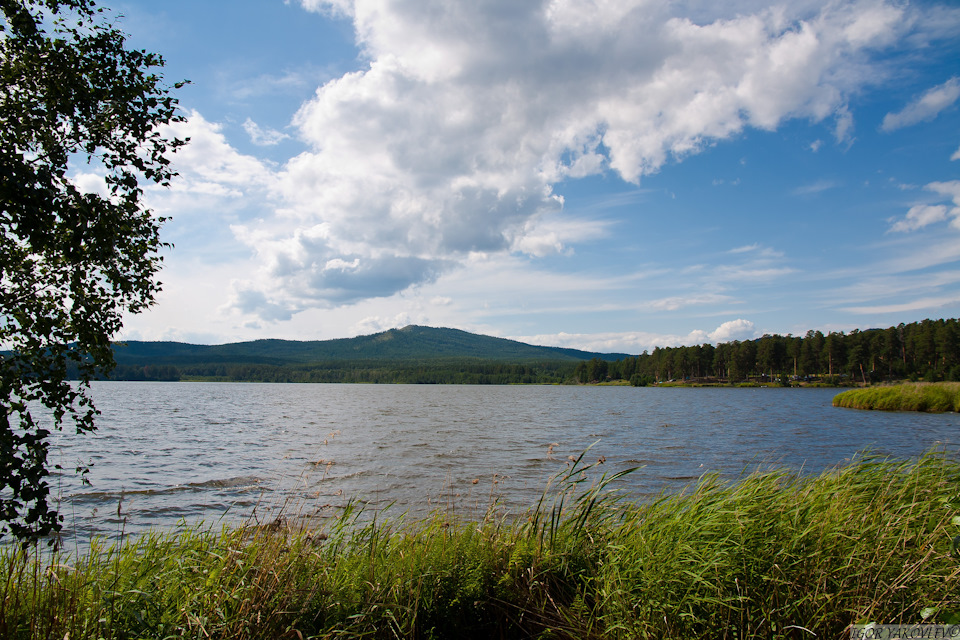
(167, 453)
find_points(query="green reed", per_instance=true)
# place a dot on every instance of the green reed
(771, 555)
(916, 396)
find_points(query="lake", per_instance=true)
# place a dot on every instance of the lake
(167, 453)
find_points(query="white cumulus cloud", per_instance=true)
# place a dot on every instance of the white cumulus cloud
(263, 137)
(926, 107)
(634, 342)
(922, 215)
(451, 141)
(738, 329)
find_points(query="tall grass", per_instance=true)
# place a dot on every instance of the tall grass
(772, 555)
(916, 396)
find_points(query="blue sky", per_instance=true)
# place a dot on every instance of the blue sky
(611, 175)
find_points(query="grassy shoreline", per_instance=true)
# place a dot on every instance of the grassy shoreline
(772, 555)
(935, 397)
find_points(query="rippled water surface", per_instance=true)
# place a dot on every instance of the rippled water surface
(169, 452)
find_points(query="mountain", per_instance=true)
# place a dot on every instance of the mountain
(409, 344)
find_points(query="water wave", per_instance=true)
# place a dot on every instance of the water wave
(236, 482)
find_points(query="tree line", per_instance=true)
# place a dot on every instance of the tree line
(453, 371)
(928, 350)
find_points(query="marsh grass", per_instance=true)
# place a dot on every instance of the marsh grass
(915, 396)
(771, 555)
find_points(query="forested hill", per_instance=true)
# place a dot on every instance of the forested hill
(929, 349)
(409, 344)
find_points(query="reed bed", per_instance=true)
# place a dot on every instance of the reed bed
(916, 396)
(771, 555)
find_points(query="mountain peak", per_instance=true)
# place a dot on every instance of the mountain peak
(409, 343)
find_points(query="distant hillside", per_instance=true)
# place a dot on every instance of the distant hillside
(928, 350)
(409, 344)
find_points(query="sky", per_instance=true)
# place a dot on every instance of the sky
(609, 175)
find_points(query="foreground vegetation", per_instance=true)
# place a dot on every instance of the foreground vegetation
(773, 555)
(932, 397)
